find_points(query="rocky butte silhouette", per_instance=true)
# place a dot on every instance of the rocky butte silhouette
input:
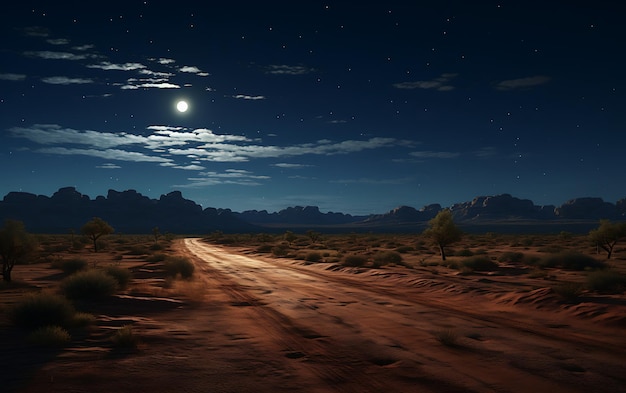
(131, 212)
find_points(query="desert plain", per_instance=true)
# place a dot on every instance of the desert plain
(329, 313)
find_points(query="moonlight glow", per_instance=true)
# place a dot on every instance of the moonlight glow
(182, 106)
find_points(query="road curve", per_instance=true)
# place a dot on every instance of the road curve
(337, 331)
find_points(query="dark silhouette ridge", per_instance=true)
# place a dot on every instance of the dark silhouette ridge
(131, 212)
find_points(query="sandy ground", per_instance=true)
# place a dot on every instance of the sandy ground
(261, 324)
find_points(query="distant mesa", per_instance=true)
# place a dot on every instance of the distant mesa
(131, 212)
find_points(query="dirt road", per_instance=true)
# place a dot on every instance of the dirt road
(324, 330)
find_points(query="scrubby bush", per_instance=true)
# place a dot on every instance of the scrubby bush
(313, 256)
(447, 337)
(405, 249)
(280, 250)
(511, 256)
(42, 309)
(479, 263)
(387, 257)
(354, 260)
(120, 274)
(606, 281)
(264, 248)
(125, 337)
(49, 336)
(90, 284)
(179, 265)
(464, 253)
(571, 261)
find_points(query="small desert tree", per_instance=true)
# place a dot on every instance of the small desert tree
(156, 234)
(95, 229)
(443, 231)
(607, 235)
(15, 246)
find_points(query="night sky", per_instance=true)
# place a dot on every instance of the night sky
(355, 107)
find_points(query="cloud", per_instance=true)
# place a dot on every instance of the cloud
(12, 77)
(107, 66)
(192, 167)
(156, 74)
(36, 31)
(440, 84)
(58, 41)
(161, 85)
(52, 134)
(365, 180)
(288, 70)
(522, 83)
(164, 61)
(109, 154)
(108, 166)
(434, 154)
(247, 97)
(485, 152)
(83, 47)
(63, 80)
(193, 70)
(50, 55)
(291, 166)
(230, 176)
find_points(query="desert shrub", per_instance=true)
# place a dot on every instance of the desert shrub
(156, 257)
(179, 265)
(82, 319)
(264, 248)
(138, 250)
(569, 291)
(49, 336)
(354, 260)
(464, 253)
(551, 249)
(70, 266)
(42, 309)
(387, 257)
(156, 247)
(125, 337)
(606, 281)
(538, 273)
(280, 250)
(511, 256)
(571, 261)
(447, 337)
(479, 263)
(313, 256)
(120, 274)
(405, 249)
(89, 284)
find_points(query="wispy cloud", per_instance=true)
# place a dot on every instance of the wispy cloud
(12, 77)
(367, 180)
(83, 47)
(247, 97)
(522, 83)
(230, 176)
(108, 166)
(108, 66)
(176, 146)
(50, 55)
(36, 31)
(291, 166)
(108, 154)
(434, 154)
(150, 85)
(442, 83)
(58, 41)
(284, 69)
(63, 80)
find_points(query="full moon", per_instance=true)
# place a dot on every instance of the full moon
(182, 106)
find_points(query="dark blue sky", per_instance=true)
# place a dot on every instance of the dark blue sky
(356, 107)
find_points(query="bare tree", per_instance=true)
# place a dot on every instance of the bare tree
(443, 231)
(15, 246)
(95, 229)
